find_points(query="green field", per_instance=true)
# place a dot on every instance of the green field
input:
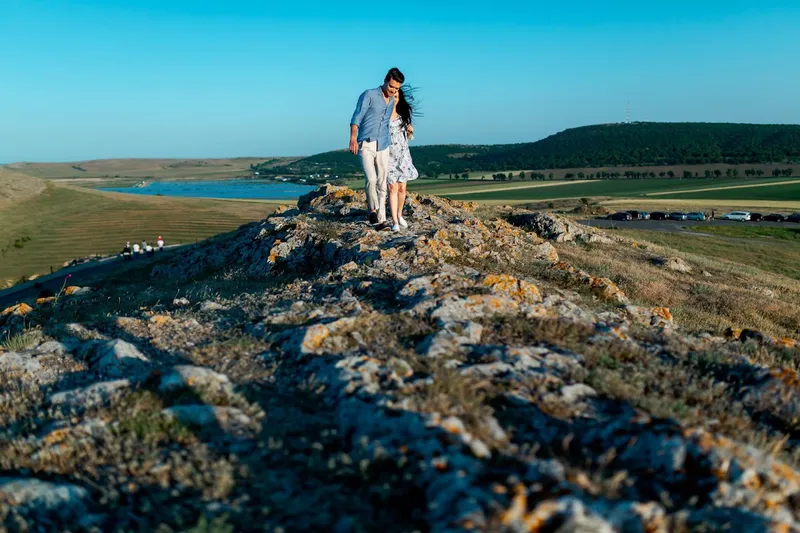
(763, 254)
(752, 232)
(612, 188)
(64, 223)
(780, 193)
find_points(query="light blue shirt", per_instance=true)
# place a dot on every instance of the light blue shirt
(372, 116)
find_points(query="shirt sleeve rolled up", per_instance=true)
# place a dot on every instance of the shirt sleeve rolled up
(361, 108)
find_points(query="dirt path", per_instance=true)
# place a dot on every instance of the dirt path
(705, 189)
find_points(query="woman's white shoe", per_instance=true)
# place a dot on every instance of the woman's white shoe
(396, 228)
(403, 222)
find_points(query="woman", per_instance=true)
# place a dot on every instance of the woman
(401, 168)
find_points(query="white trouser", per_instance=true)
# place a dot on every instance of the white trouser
(375, 164)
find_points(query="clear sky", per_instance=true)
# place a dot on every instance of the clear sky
(193, 78)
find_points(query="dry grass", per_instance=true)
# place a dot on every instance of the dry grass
(730, 297)
(72, 223)
(16, 187)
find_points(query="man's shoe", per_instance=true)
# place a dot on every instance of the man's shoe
(373, 217)
(402, 222)
(396, 228)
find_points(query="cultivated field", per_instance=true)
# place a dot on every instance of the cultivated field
(63, 223)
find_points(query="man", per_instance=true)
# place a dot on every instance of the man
(369, 139)
(160, 243)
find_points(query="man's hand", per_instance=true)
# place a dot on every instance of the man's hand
(353, 146)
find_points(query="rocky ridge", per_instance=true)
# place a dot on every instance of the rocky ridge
(455, 376)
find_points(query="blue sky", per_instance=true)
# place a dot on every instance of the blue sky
(91, 79)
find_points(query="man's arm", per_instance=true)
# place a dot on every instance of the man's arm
(361, 109)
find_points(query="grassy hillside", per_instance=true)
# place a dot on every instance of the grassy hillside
(63, 223)
(607, 145)
(146, 168)
(16, 186)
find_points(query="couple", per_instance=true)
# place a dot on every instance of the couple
(379, 133)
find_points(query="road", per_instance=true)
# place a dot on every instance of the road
(80, 274)
(676, 226)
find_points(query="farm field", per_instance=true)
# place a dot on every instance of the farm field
(619, 188)
(776, 192)
(63, 223)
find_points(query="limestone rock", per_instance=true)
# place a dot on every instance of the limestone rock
(117, 359)
(673, 263)
(90, 396)
(55, 503)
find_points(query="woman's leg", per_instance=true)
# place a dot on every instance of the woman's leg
(401, 198)
(393, 188)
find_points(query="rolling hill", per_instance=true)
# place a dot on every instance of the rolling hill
(607, 145)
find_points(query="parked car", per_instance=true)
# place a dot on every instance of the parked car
(677, 215)
(755, 217)
(794, 217)
(622, 215)
(658, 215)
(741, 216)
(645, 215)
(635, 215)
(695, 216)
(774, 217)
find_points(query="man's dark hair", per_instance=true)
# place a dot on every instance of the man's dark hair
(396, 75)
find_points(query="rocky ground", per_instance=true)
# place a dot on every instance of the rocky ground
(307, 372)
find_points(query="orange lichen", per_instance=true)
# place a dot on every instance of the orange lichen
(662, 312)
(315, 336)
(518, 289)
(540, 516)
(733, 333)
(563, 265)
(390, 253)
(516, 511)
(17, 310)
(160, 320)
(42, 301)
(786, 376)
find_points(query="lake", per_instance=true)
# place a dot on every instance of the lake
(249, 189)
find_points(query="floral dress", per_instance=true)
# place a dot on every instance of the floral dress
(401, 168)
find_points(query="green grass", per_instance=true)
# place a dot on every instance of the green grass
(616, 188)
(20, 341)
(764, 254)
(64, 223)
(747, 232)
(783, 192)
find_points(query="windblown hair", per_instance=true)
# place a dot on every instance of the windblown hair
(407, 106)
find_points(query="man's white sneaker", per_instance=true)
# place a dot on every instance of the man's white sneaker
(396, 228)
(403, 222)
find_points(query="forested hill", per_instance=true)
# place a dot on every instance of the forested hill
(637, 144)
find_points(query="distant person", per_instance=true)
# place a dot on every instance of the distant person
(369, 138)
(148, 250)
(136, 250)
(401, 167)
(160, 244)
(126, 251)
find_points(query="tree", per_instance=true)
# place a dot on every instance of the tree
(759, 172)
(662, 174)
(735, 172)
(787, 172)
(465, 176)
(522, 176)
(671, 174)
(729, 172)
(687, 174)
(551, 175)
(717, 173)
(581, 175)
(709, 173)
(569, 175)
(776, 172)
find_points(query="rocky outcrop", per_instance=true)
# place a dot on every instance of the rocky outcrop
(455, 376)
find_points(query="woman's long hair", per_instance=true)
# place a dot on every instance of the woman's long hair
(407, 105)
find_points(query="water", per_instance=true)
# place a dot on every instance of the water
(220, 189)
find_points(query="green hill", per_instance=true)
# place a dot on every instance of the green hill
(607, 145)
